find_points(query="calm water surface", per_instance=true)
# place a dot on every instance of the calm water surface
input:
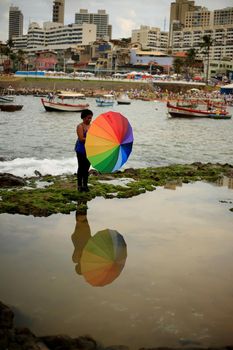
(176, 286)
(35, 139)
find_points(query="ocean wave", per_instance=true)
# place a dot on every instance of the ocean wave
(27, 166)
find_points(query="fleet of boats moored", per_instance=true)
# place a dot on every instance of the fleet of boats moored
(186, 108)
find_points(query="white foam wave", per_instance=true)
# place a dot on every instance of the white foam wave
(27, 166)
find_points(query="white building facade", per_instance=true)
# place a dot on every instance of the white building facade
(150, 38)
(218, 24)
(55, 36)
(100, 19)
(222, 37)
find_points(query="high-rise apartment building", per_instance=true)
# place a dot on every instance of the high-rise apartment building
(223, 16)
(15, 22)
(100, 19)
(58, 11)
(218, 24)
(188, 38)
(178, 11)
(201, 18)
(204, 18)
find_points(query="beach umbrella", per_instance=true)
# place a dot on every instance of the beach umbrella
(103, 258)
(197, 78)
(109, 142)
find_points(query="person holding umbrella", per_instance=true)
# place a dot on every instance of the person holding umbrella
(83, 162)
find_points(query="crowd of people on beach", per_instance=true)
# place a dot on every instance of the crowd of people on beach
(145, 94)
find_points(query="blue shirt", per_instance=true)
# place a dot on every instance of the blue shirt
(80, 145)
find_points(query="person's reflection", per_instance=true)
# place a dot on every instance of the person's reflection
(99, 258)
(81, 235)
(172, 185)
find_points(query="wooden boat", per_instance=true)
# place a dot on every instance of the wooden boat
(124, 100)
(183, 112)
(53, 106)
(6, 99)
(10, 108)
(187, 104)
(105, 101)
(71, 95)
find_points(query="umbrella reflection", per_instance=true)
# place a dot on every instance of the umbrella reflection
(99, 258)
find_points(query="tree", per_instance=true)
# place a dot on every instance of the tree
(20, 58)
(10, 43)
(190, 60)
(14, 60)
(6, 50)
(205, 48)
(178, 64)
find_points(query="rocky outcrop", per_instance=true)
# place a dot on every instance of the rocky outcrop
(6, 317)
(20, 338)
(9, 180)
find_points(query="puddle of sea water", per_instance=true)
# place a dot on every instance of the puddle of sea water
(175, 287)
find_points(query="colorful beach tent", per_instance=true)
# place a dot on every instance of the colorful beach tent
(103, 257)
(227, 89)
(109, 142)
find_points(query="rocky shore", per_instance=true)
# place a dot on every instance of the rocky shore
(21, 338)
(46, 195)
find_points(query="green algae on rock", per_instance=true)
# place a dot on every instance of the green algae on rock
(61, 196)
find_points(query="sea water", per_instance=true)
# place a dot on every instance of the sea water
(33, 139)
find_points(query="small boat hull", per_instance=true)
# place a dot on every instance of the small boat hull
(106, 100)
(10, 108)
(51, 106)
(102, 103)
(123, 102)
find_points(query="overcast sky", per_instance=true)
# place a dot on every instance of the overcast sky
(124, 15)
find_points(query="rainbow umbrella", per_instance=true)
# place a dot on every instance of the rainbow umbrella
(103, 257)
(109, 142)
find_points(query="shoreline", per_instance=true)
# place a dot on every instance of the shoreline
(46, 195)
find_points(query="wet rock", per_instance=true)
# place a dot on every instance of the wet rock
(131, 171)
(87, 343)
(6, 325)
(25, 339)
(93, 172)
(37, 173)
(186, 342)
(197, 164)
(9, 180)
(117, 347)
(15, 338)
(6, 317)
(64, 342)
(59, 342)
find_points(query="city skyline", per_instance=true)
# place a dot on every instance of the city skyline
(122, 16)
